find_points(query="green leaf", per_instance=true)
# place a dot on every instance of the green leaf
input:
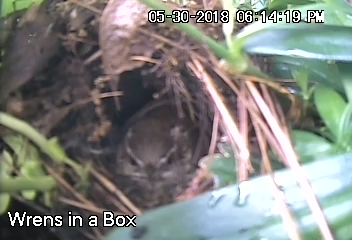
(31, 170)
(56, 149)
(50, 147)
(345, 139)
(313, 41)
(6, 164)
(259, 5)
(283, 4)
(254, 28)
(48, 199)
(346, 78)
(222, 167)
(18, 144)
(9, 6)
(227, 28)
(19, 184)
(330, 106)
(301, 78)
(338, 18)
(336, 12)
(311, 147)
(216, 215)
(28, 160)
(29, 195)
(319, 72)
(5, 200)
(5, 171)
(22, 148)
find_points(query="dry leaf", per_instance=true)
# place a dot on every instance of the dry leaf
(28, 49)
(119, 38)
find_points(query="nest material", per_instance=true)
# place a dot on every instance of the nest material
(161, 53)
(172, 64)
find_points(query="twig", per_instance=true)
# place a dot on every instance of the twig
(289, 223)
(87, 6)
(225, 114)
(112, 188)
(292, 161)
(214, 134)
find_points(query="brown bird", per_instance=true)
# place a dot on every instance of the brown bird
(156, 142)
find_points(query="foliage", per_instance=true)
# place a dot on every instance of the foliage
(31, 177)
(319, 58)
(336, 114)
(9, 6)
(313, 54)
(28, 163)
(249, 211)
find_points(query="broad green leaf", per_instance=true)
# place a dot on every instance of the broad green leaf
(224, 169)
(337, 12)
(283, 4)
(347, 82)
(330, 106)
(346, 78)
(217, 215)
(221, 177)
(343, 9)
(5, 200)
(313, 41)
(319, 72)
(338, 18)
(9, 6)
(329, 15)
(301, 78)
(311, 147)
(345, 139)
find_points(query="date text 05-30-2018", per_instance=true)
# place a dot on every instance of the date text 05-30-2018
(241, 16)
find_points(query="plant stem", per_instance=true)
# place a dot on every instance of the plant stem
(19, 184)
(220, 50)
(53, 151)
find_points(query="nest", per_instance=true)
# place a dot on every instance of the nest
(141, 61)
